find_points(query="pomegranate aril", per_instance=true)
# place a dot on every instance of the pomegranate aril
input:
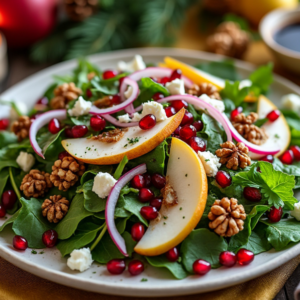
(109, 74)
(275, 214)
(138, 182)
(179, 104)
(2, 211)
(223, 179)
(187, 132)
(116, 99)
(244, 257)
(172, 254)
(176, 74)
(68, 132)
(147, 122)
(269, 158)
(158, 96)
(63, 154)
(49, 238)
(135, 267)
(147, 178)
(156, 202)
(145, 195)
(4, 124)
(137, 231)
(252, 194)
(296, 151)
(35, 116)
(201, 267)
(227, 259)
(164, 80)
(89, 93)
(149, 212)
(97, 123)
(187, 118)
(287, 157)
(236, 112)
(79, 131)
(54, 126)
(43, 101)
(9, 199)
(197, 143)
(273, 115)
(198, 125)
(158, 180)
(20, 243)
(176, 132)
(170, 111)
(116, 266)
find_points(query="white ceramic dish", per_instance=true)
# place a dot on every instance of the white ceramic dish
(52, 266)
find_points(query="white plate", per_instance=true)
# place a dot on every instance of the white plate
(52, 266)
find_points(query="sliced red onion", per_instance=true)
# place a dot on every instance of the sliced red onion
(41, 121)
(111, 205)
(115, 122)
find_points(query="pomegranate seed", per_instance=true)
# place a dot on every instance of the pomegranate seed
(164, 80)
(34, 116)
(137, 231)
(2, 211)
(287, 157)
(156, 202)
(252, 194)
(187, 131)
(170, 111)
(135, 267)
(275, 214)
(147, 178)
(9, 199)
(20, 243)
(145, 195)
(197, 143)
(116, 266)
(269, 158)
(43, 101)
(273, 115)
(63, 154)
(158, 180)
(227, 259)
(179, 104)
(223, 179)
(201, 267)
(198, 125)
(68, 132)
(109, 74)
(244, 257)
(89, 93)
(54, 126)
(138, 182)
(97, 123)
(173, 254)
(176, 132)
(4, 124)
(187, 118)
(116, 99)
(147, 122)
(236, 112)
(158, 96)
(49, 238)
(296, 151)
(176, 74)
(79, 131)
(149, 212)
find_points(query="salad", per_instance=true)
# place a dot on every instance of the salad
(180, 167)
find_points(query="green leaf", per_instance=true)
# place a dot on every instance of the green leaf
(7, 138)
(94, 170)
(262, 77)
(8, 157)
(10, 220)
(234, 93)
(257, 243)
(261, 122)
(4, 175)
(92, 202)
(120, 168)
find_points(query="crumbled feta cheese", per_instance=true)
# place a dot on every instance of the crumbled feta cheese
(80, 108)
(136, 117)
(25, 161)
(245, 83)
(154, 108)
(292, 102)
(128, 92)
(210, 162)
(103, 183)
(217, 104)
(80, 259)
(124, 118)
(135, 65)
(176, 87)
(296, 212)
(21, 107)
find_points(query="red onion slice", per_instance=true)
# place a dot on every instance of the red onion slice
(41, 121)
(115, 122)
(111, 205)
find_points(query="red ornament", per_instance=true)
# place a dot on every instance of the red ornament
(201, 267)
(116, 266)
(244, 257)
(135, 267)
(49, 238)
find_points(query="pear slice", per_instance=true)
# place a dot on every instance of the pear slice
(186, 175)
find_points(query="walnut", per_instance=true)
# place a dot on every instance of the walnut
(66, 172)
(245, 127)
(226, 217)
(111, 136)
(21, 127)
(221, 43)
(55, 208)
(64, 93)
(234, 156)
(35, 184)
(91, 75)
(205, 88)
(104, 102)
(169, 195)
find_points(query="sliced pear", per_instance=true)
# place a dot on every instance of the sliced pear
(100, 153)
(186, 175)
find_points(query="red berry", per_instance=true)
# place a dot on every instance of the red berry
(79, 131)
(235, 112)
(97, 123)
(187, 131)
(179, 104)
(116, 99)
(116, 266)
(244, 257)
(63, 154)
(156, 202)
(4, 124)
(149, 212)
(176, 74)
(187, 118)
(173, 254)
(158, 180)
(109, 74)
(138, 181)
(137, 231)
(89, 93)
(147, 178)
(269, 158)
(43, 101)
(2, 211)
(135, 267)
(273, 115)
(54, 126)
(68, 132)
(227, 259)
(287, 157)
(49, 238)
(201, 267)
(170, 111)
(164, 80)
(158, 96)
(198, 125)
(275, 214)
(9, 199)
(252, 194)
(147, 122)
(20, 243)
(223, 179)
(296, 151)
(197, 143)
(145, 195)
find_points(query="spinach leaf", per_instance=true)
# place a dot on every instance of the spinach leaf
(92, 202)
(89, 174)
(8, 157)
(234, 93)
(257, 243)
(7, 138)
(10, 220)
(4, 175)
(262, 77)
